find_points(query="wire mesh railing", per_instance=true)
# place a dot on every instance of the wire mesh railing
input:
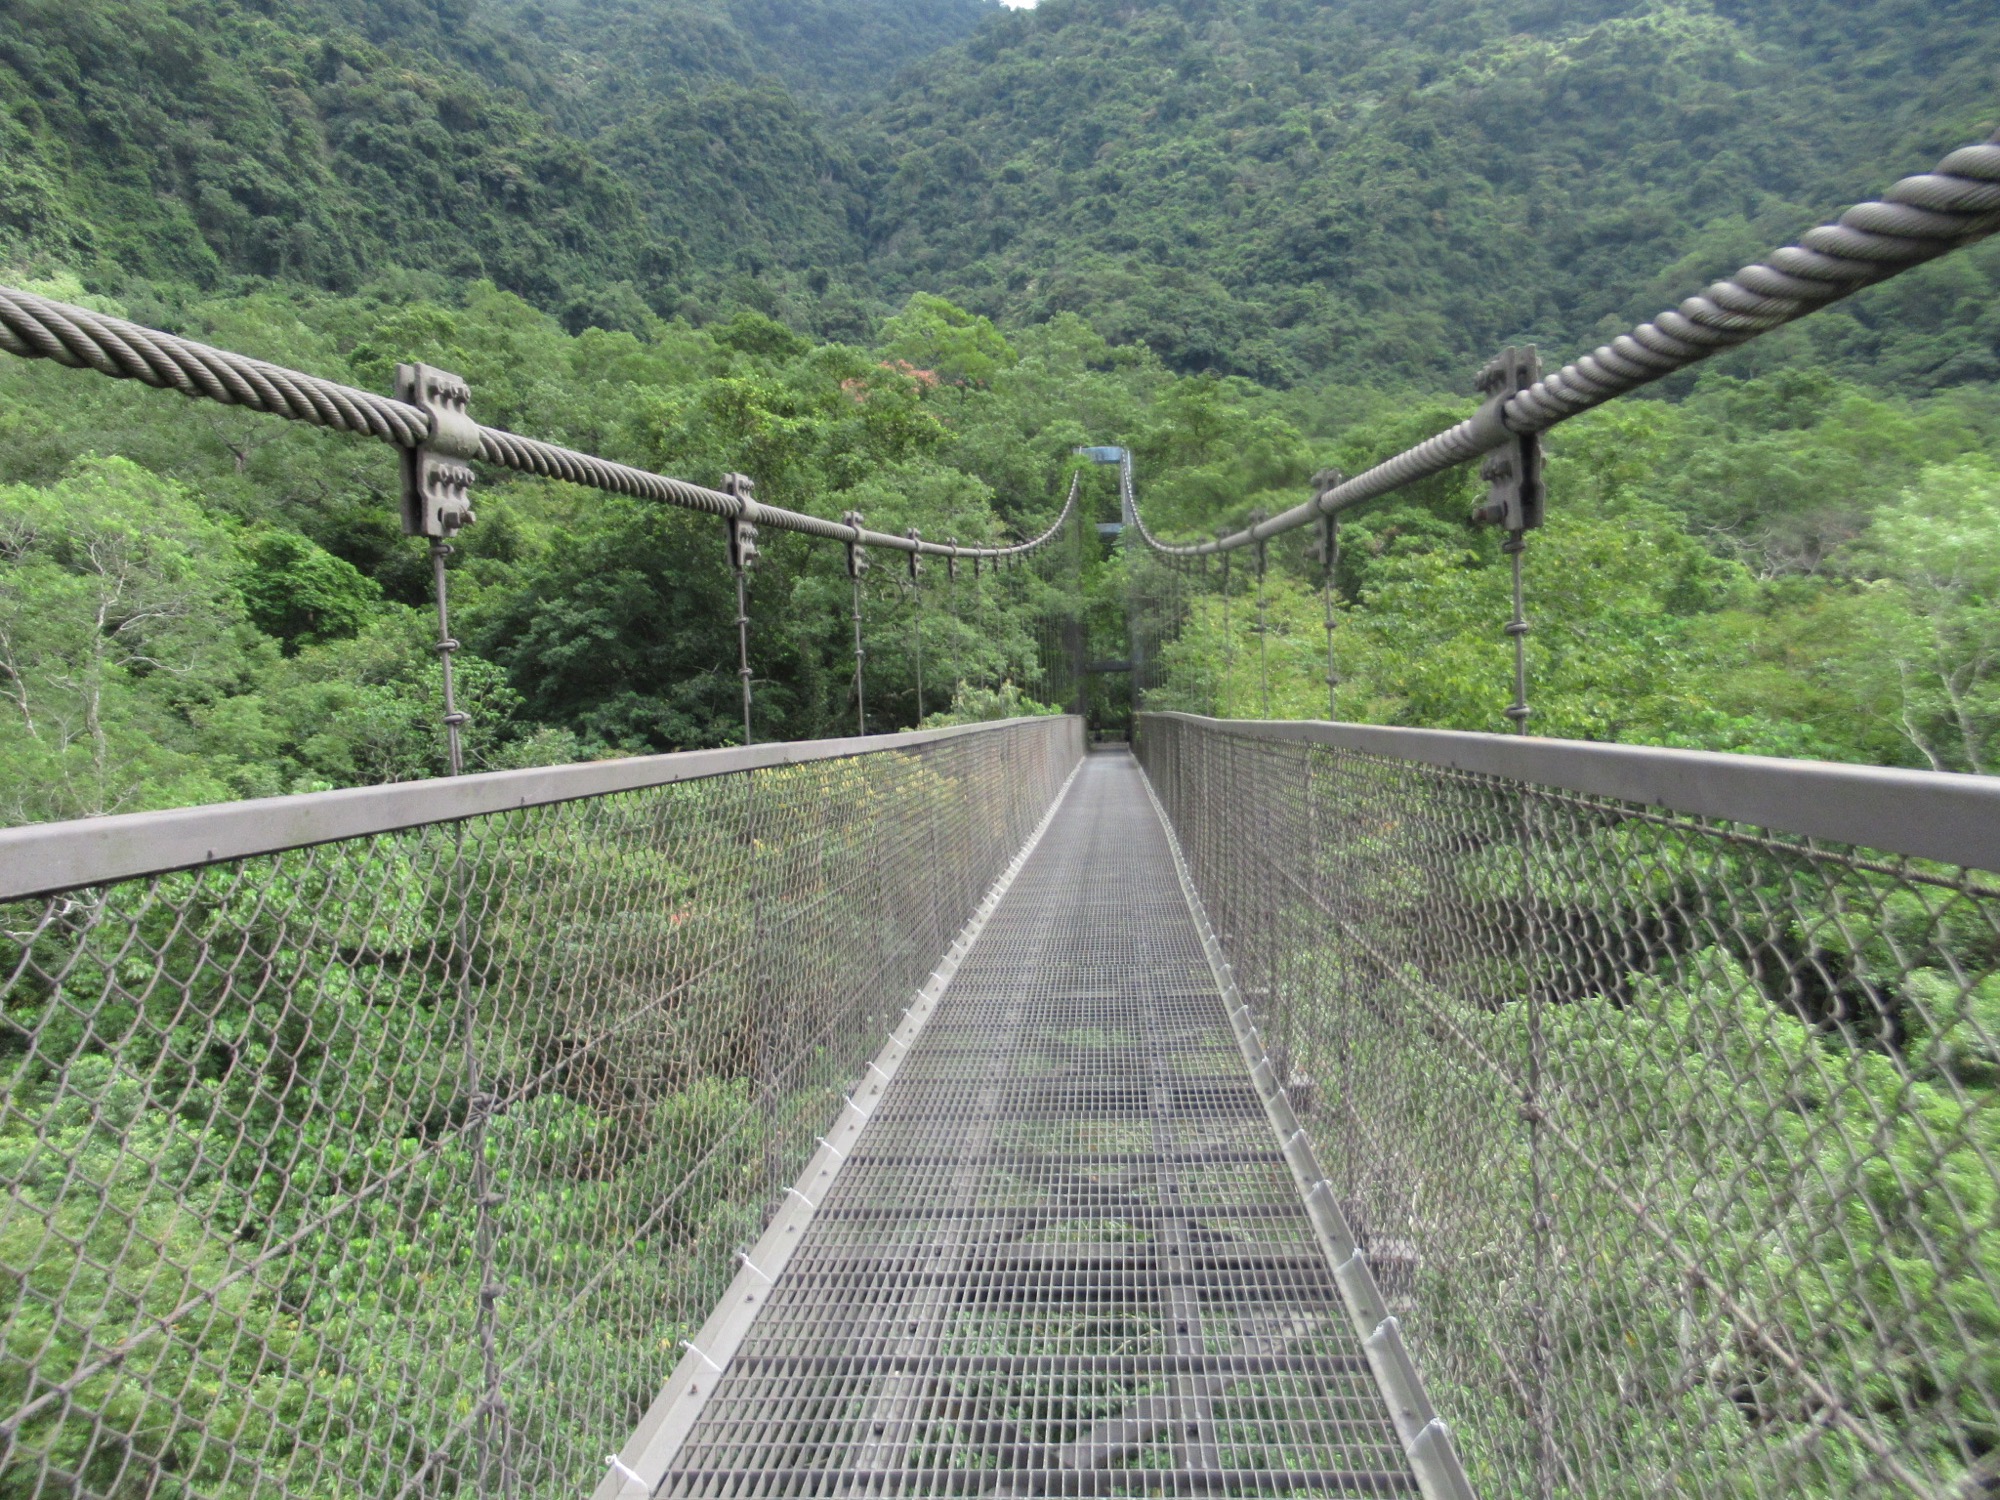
(354, 1148)
(1659, 1087)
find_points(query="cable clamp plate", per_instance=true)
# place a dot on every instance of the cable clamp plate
(437, 474)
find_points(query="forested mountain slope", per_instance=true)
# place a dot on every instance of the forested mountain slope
(596, 159)
(604, 58)
(1246, 238)
(186, 143)
(1281, 187)
(1295, 190)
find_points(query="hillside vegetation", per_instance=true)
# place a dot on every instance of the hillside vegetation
(1299, 192)
(902, 257)
(1247, 237)
(1352, 190)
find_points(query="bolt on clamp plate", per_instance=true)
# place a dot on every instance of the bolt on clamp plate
(437, 474)
(1513, 469)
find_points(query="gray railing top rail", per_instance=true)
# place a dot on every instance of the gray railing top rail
(45, 857)
(1932, 815)
(1919, 219)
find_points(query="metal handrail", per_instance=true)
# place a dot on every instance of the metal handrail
(45, 857)
(1935, 815)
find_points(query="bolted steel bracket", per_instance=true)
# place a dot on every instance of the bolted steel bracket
(857, 555)
(916, 557)
(1261, 547)
(951, 561)
(437, 474)
(1513, 470)
(743, 525)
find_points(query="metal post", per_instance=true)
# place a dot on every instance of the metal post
(1517, 627)
(1515, 503)
(446, 648)
(1516, 498)
(1332, 674)
(743, 649)
(1228, 641)
(1263, 653)
(1327, 548)
(979, 612)
(857, 564)
(917, 597)
(1262, 560)
(951, 615)
(742, 558)
(860, 653)
(436, 499)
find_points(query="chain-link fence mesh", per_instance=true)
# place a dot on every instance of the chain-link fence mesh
(402, 1165)
(1672, 1140)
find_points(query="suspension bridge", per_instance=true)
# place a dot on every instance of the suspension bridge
(1261, 1108)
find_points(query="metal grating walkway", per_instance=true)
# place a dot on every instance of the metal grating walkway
(1066, 1256)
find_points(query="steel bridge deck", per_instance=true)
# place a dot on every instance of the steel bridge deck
(1066, 1256)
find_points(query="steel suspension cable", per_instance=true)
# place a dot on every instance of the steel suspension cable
(1917, 220)
(37, 327)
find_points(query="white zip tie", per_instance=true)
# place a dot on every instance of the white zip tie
(802, 1198)
(685, 1344)
(744, 1256)
(611, 1461)
(838, 1154)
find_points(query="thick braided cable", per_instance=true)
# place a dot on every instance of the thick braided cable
(39, 328)
(36, 327)
(531, 456)
(1918, 220)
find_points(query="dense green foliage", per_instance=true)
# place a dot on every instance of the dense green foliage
(1291, 188)
(282, 1172)
(901, 256)
(1789, 565)
(1768, 1076)
(1296, 191)
(227, 606)
(186, 143)
(634, 227)
(331, 143)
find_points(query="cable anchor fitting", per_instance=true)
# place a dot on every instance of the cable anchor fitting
(857, 554)
(743, 525)
(741, 528)
(437, 473)
(1516, 495)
